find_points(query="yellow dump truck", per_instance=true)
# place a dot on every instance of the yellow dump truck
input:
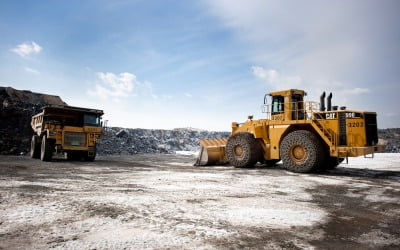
(305, 135)
(66, 129)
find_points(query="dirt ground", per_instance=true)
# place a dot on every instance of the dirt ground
(164, 202)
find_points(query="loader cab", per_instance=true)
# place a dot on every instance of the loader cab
(287, 105)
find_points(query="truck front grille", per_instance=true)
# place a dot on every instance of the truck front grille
(371, 129)
(75, 139)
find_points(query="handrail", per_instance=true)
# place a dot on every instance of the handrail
(310, 111)
(305, 113)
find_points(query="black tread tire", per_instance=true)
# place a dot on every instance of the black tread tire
(90, 158)
(332, 162)
(46, 149)
(35, 147)
(250, 150)
(302, 151)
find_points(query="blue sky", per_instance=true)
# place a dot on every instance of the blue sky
(202, 64)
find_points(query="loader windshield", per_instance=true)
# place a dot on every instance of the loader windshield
(277, 104)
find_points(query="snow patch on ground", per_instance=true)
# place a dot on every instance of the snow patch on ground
(195, 153)
(277, 217)
(147, 202)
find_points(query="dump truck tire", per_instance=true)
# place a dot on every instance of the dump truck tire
(46, 149)
(243, 150)
(35, 147)
(90, 157)
(301, 151)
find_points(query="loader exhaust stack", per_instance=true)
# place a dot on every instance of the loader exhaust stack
(329, 102)
(212, 152)
(322, 99)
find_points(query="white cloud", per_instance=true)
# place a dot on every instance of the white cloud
(146, 89)
(121, 86)
(188, 95)
(27, 49)
(325, 41)
(276, 80)
(356, 91)
(30, 70)
(114, 86)
(391, 114)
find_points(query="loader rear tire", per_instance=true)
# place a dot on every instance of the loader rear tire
(46, 149)
(35, 147)
(301, 151)
(243, 150)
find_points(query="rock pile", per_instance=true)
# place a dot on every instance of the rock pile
(16, 110)
(391, 137)
(135, 141)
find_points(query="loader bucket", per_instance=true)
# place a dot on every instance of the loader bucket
(212, 152)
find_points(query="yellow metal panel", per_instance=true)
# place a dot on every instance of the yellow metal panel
(275, 135)
(260, 132)
(359, 151)
(355, 130)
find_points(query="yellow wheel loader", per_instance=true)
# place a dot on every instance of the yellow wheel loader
(305, 135)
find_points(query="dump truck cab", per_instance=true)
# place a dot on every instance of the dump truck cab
(305, 135)
(71, 130)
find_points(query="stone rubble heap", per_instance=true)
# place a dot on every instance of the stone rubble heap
(16, 110)
(122, 141)
(391, 137)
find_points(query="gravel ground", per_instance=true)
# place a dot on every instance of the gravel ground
(164, 202)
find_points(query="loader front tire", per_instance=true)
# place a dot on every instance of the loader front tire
(301, 151)
(35, 147)
(46, 149)
(243, 150)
